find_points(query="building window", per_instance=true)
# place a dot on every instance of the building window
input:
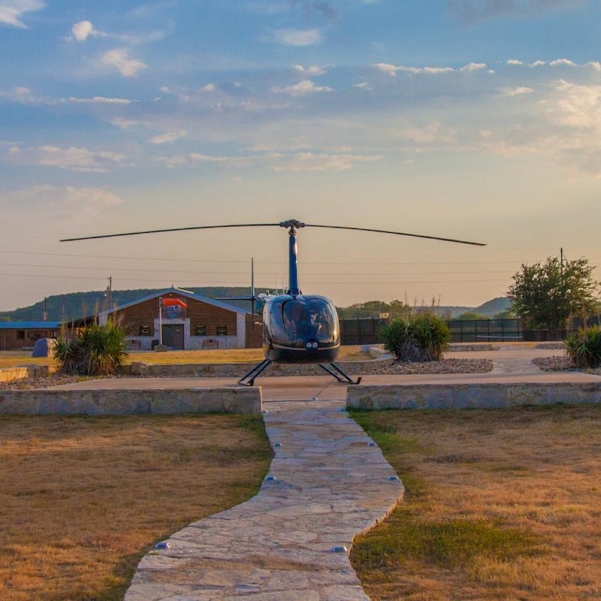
(20, 334)
(200, 330)
(221, 330)
(144, 330)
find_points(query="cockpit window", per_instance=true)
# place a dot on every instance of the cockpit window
(304, 319)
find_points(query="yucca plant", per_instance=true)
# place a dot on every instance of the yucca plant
(65, 352)
(431, 334)
(583, 347)
(94, 351)
(421, 337)
(399, 341)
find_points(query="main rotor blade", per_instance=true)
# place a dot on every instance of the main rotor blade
(363, 229)
(281, 224)
(171, 229)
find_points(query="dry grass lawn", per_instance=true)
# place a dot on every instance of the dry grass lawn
(14, 358)
(499, 505)
(82, 499)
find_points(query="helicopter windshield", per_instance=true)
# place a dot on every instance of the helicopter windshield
(298, 320)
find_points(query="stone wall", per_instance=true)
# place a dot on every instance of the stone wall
(130, 402)
(8, 374)
(471, 396)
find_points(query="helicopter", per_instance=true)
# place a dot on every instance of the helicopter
(297, 327)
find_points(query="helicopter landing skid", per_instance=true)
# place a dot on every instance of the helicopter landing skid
(248, 379)
(340, 375)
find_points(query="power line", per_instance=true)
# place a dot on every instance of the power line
(265, 274)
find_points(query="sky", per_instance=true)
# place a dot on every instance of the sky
(477, 120)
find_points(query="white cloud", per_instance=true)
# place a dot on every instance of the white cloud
(473, 67)
(167, 137)
(312, 70)
(19, 94)
(577, 106)
(302, 88)
(430, 135)
(82, 30)
(309, 161)
(393, 70)
(517, 91)
(565, 127)
(99, 100)
(210, 87)
(562, 62)
(119, 58)
(298, 37)
(363, 86)
(11, 11)
(171, 162)
(59, 199)
(76, 159)
(221, 160)
(277, 161)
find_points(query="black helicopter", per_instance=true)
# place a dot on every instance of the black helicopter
(297, 328)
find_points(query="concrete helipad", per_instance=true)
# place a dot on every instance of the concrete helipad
(511, 364)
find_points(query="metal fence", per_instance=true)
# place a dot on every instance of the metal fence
(486, 330)
(361, 331)
(367, 331)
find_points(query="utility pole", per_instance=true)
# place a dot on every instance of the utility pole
(45, 312)
(109, 293)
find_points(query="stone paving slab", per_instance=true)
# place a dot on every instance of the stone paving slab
(326, 484)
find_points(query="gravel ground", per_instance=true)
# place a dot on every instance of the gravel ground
(447, 366)
(561, 364)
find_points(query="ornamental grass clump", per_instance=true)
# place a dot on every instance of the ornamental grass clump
(418, 338)
(583, 347)
(96, 350)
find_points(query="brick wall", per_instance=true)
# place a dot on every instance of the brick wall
(215, 320)
(18, 338)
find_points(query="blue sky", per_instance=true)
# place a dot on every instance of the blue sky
(471, 119)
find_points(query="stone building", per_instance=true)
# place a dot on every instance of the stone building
(182, 320)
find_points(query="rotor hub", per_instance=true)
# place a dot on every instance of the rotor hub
(293, 223)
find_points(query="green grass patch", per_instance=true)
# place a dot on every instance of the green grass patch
(455, 544)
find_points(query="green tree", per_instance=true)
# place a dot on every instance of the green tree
(395, 308)
(471, 315)
(546, 296)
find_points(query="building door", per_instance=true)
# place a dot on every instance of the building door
(173, 336)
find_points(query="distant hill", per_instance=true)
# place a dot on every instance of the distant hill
(66, 307)
(494, 306)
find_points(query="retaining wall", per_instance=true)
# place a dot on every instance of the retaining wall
(471, 396)
(130, 402)
(8, 374)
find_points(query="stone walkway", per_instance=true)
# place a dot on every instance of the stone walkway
(327, 483)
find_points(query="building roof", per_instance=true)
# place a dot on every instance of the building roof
(179, 292)
(30, 325)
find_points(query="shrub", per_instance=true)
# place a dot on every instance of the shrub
(583, 347)
(421, 337)
(93, 351)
